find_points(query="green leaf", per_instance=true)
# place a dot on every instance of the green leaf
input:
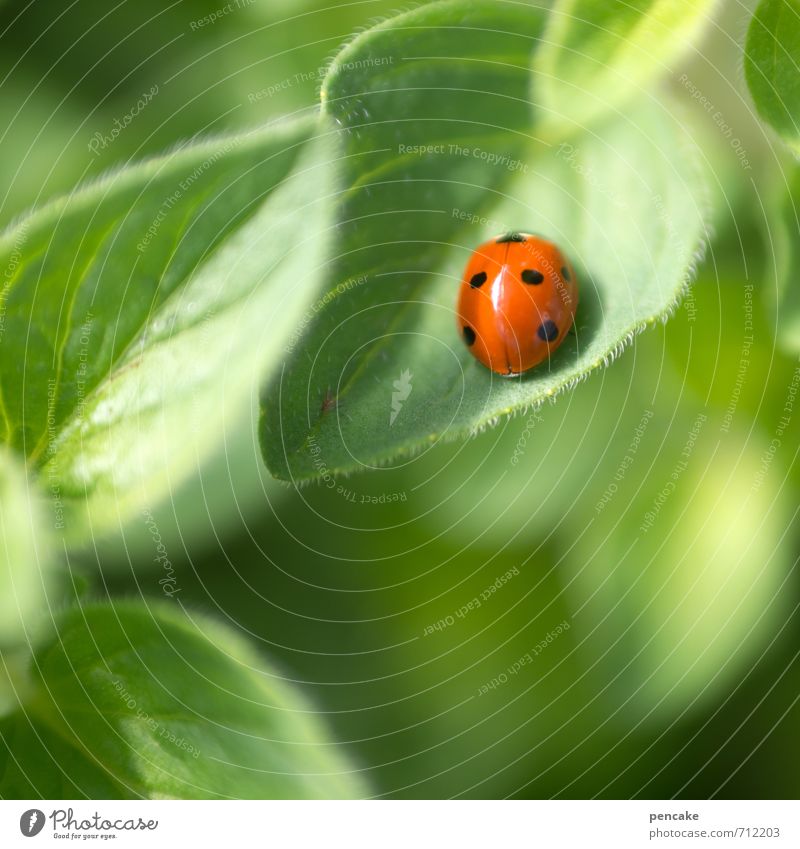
(138, 312)
(159, 704)
(35, 763)
(215, 501)
(784, 227)
(453, 75)
(627, 206)
(598, 54)
(772, 66)
(27, 580)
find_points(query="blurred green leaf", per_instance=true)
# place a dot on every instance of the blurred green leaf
(408, 643)
(784, 232)
(627, 206)
(35, 763)
(139, 310)
(771, 66)
(598, 54)
(27, 579)
(163, 704)
(679, 581)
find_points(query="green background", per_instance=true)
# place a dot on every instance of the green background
(678, 674)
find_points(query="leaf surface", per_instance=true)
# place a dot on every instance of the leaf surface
(160, 704)
(772, 66)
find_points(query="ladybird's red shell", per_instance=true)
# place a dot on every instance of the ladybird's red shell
(517, 302)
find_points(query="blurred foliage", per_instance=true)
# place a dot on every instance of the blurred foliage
(770, 65)
(27, 574)
(72, 72)
(678, 674)
(597, 55)
(152, 703)
(781, 232)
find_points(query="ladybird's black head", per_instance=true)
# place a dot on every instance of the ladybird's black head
(511, 237)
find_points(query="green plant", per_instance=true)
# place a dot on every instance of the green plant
(309, 262)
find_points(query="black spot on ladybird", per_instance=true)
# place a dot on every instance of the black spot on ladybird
(469, 336)
(565, 274)
(478, 279)
(529, 275)
(511, 237)
(548, 330)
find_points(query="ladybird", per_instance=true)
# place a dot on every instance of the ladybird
(517, 302)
